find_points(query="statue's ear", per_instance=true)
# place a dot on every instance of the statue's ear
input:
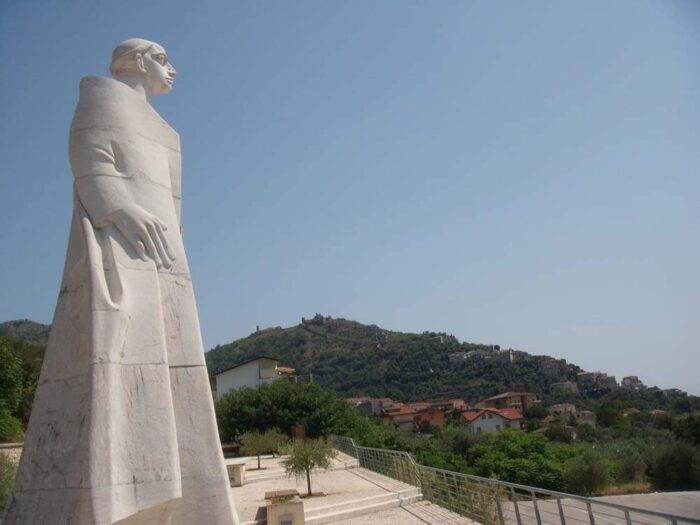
(139, 63)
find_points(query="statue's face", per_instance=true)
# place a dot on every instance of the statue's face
(160, 73)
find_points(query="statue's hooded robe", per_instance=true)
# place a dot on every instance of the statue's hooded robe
(123, 425)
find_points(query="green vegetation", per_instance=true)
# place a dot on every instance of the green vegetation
(20, 363)
(517, 457)
(626, 453)
(676, 467)
(286, 404)
(305, 456)
(7, 479)
(26, 330)
(586, 474)
(257, 443)
(353, 359)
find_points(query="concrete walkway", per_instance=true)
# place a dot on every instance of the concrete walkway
(352, 496)
(420, 513)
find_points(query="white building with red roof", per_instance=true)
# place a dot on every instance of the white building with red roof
(484, 420)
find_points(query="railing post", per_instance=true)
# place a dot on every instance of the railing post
(537, 509)
(498, 503)
(484, 516)
(447, 489)
(514, 499)
(561, 512)
(471, 501)
(591, 517)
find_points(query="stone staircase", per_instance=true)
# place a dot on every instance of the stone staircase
(360, 507)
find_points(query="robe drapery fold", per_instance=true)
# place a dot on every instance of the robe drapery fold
(123, 424)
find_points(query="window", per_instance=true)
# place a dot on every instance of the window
(478, 430)
(498, 428)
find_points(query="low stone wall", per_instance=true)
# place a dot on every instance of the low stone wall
(12, 450)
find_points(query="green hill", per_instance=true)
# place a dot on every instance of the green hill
(26, 330)
(355, 359)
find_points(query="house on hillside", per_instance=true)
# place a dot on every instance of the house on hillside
(373, 406)
(447, 405)
(484, 420)
(631, 383)
(517, 400)
(565, 387)
(586, 417)
(399, 415)
(563, 410)
(252, 373)
(595, 381)
(432, 417)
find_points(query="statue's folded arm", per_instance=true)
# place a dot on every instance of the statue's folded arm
(101, 187)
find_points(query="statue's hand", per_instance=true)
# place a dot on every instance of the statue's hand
(145, 232)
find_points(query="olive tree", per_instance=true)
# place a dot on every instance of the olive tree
(258, 443)
(305, 456)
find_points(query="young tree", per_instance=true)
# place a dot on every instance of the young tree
(275, 440)
(255, 444)
(304, 456)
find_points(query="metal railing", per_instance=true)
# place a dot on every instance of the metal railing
(491, 501)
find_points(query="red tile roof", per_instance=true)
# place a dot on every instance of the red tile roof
(509, 413)
(471, 415)
(506, 413)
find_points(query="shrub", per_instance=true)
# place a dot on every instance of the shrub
(676, 467)
(586, 474)
(7, 478)
(517, 457)
(558, 432)
(10, 426)
(631, 467)
(688, 429)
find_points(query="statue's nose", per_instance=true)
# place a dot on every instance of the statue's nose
(171, 71)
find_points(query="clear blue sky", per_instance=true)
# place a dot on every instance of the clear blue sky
(519, 173)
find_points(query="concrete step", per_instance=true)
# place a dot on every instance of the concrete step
(408, 497)
(358, 507)
(334, 516)
(342, 507)
(362, 506)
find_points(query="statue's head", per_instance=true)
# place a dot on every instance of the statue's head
(145, 59)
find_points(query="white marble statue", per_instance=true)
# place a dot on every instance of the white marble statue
(123, 427)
